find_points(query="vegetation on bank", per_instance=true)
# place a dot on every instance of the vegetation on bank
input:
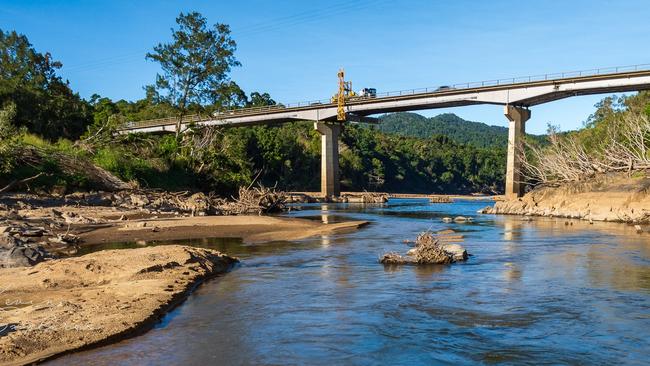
(49, 135)
(616, 138)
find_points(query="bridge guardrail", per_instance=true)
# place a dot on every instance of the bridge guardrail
(194, 118)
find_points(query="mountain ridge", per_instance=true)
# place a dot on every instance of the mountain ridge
(456, 128)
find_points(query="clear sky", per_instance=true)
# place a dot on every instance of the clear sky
(293, 49)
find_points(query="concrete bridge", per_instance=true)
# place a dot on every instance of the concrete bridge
(516, 95)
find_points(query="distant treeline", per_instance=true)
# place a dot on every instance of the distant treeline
(448, 124)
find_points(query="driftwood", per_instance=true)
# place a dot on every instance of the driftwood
(440, 199)
(258, 200)
(429, 248)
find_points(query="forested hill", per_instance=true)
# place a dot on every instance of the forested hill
(449, 124)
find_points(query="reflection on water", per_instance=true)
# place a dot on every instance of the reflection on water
(533, 292)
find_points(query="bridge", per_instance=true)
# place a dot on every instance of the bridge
(516, 95)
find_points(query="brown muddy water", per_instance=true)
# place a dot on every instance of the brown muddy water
(540, 292)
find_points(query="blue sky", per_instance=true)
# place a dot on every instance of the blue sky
(293, 49)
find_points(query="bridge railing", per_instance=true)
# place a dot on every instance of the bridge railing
(439, 89)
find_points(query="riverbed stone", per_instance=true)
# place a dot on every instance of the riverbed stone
(22, 256)
(8, 241)
(458, 252)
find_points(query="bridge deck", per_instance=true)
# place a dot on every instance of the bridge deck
(382, 103)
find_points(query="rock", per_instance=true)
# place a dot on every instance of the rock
(4, 229)
(462, 219)
(141, 224)
(139, 200)
(32, 232)
(8, 241)
(638, 229)
(64, 239)
(21, 256)
(458, 252)
(447, 219)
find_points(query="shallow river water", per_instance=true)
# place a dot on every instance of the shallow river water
(550, 291)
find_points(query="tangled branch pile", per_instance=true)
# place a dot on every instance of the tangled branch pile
(429, 249)
(257, 200)
(440, 199)
(624, 145)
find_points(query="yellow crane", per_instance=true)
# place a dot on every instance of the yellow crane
(345, 92)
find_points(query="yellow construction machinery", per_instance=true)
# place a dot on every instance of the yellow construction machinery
(345, 93)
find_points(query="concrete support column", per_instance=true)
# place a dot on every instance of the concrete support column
(329, 173)
(516, 134)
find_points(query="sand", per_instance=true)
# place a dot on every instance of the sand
(250, 228)
(75, 303)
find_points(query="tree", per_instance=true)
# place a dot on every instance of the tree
(260, 100)
(45, 104)
(196, 64)
(8, 136)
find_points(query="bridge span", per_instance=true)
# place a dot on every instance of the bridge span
(517, 95)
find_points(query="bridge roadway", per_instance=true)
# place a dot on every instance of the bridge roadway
(516, 94)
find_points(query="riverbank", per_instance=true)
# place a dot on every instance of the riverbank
(608, 197)
(250, 228)
(75, 303)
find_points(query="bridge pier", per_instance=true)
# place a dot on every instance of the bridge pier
(330, 185)
(516, 134)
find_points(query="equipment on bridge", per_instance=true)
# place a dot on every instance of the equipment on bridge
(346, 93)
(368, 93)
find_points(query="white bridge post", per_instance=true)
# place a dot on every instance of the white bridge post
(516, 135)
(330, 184)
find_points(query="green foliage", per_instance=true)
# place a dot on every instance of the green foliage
(196, 64)
(408, 164)
(8, 138)
(45, 104)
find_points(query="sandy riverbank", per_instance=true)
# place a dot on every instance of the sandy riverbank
(75, 303)
(249, 228)
(611, 197)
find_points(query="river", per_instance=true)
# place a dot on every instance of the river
(548, 291)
